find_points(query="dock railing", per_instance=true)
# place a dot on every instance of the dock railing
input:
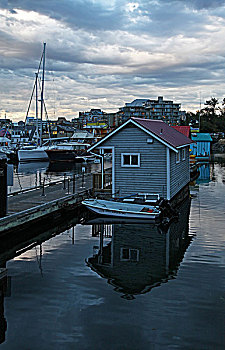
(106, 186)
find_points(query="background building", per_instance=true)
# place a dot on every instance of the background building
(160, 109)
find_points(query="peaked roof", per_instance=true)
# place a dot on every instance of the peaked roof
(183, 129)
(164, 132)
(200, 136)
(156, 128)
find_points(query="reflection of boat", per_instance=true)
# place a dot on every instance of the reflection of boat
(135, 258)
(31, 167)
(122, 209)
(62, 167)
(111, 220)
(194, 172)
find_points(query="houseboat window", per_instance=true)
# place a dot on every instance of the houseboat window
(129, 254)
(183, 154)
(130, 159)
(178, 157)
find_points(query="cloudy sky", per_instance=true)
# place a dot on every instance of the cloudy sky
(104, 53)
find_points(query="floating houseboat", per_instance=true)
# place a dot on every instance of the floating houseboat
(201, 146)
(147, 156)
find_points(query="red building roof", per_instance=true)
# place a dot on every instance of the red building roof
(183, 129)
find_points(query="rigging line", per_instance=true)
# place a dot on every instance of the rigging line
(39, 67)
(28, 109)
(39, 82)
(46, 113)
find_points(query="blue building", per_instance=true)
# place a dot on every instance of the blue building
(201, 146)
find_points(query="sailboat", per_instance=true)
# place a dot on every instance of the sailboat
(36, 153)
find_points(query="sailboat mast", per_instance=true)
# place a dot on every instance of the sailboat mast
(42, 91)
(36, 86)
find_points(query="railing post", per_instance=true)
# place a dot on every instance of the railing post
(83, 171)
(43, 188)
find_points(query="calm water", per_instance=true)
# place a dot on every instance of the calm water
(125, 286)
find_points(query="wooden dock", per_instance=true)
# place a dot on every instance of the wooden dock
(26, 207)
(50, 200)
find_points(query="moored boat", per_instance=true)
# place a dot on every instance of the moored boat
(67, 151)
(30, 154)
(122, 209)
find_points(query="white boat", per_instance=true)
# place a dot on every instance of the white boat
(32, 154)
(122, 209)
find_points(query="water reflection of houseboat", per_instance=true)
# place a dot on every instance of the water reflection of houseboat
(204, 173)
(141, 256)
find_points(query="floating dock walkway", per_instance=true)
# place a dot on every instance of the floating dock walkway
(34, 204)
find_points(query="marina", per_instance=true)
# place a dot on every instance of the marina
(47, 198)
(112, 175)
(119, 270)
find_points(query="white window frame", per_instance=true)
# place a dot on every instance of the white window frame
(178, 157)
(183, 153)
(130, 165)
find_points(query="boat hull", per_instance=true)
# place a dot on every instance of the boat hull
(32, 155)
(56, 155)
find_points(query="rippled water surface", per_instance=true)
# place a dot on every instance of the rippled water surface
(125, 286)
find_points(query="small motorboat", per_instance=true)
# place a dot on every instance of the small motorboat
(122, 209)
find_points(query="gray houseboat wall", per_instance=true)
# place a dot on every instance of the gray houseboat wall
(150, 175)
(179, 170)
(143, 161)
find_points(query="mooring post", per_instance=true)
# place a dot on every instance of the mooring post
(3, 186)
(68, 185)
(73, 234)
(64, 182)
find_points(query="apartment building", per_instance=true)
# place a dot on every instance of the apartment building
(159, 109)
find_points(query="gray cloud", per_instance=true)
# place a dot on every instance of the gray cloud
(102, 55)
